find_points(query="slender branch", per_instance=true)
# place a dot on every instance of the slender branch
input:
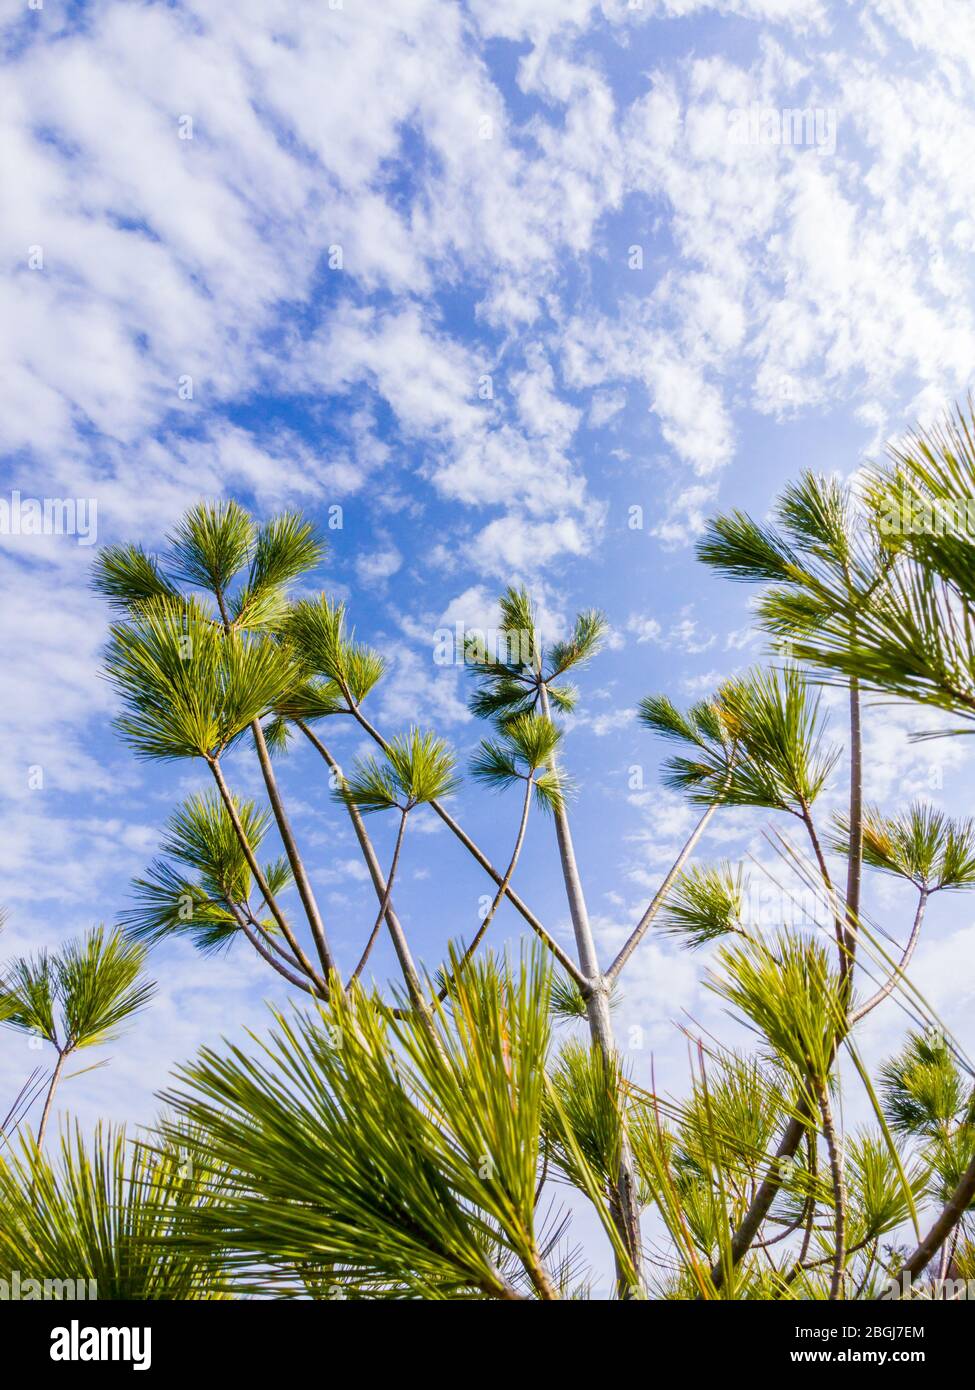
(412, 979)
(828, 1259)
(951, 1250)
(284, 829)
(890, 983)
(867, 1271)
(396, 932)
(268, 955)
(836, 1289)
(748, 1228)
(751, 1222)
(366, 952)
(854, 870)
(787, 1230)
(566, 961)
(261, 881)
(302, 882)
(811, 1150)
(952, 1212)
(808, 1217)
(543, 1175)
(592, 987)
(945, 1257)
(585, 943)
(744, 1236)
(840, 934)
(625, 1199)
(49, 1099)
(660, 896)
(21, 1105)
(498, 897)
(269, 941)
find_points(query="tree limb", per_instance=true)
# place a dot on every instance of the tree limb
(640, 930)
(260, 880)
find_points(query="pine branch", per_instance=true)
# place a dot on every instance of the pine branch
(897, 974)
(503, 888)
(660, 897)
(396, 932)
(567, 963)
(261, 881)
(302, 882)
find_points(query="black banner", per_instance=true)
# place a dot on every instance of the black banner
(743, 1338)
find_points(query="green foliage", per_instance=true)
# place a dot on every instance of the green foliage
(783, 762)
(528, 742)
(204, 871)
(393, 1151)
(758, 742)
(701, 1166)
(28, 995)
(730, 1117)
(740, 548)
(210, 549)
(815, 514)
(567, 1002)
(820, 560)
(127, 576)
(308, 699)
(431, 1132)
(316, 630)
(789, 992)
(99, 985)
(105, 1210)
(926, 1097)
(877, 1200)
(278, 734)
(510, 681)
(417, 767)
(587, 1104)
(922, 845)
(287, 547)
(704, 904)
(79, 996)
(949, 1155)
(587, 638)
(211, 543)
(922, 1088)
(910, 631)
(187, 688)
(702, 725)
(707, 773)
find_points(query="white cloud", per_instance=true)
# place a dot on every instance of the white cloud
(476, 607)
(644, 629)
(604, 724)
(418, 692)
(682, 634)
(377, 566)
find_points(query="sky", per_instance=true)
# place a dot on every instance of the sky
(498, 291)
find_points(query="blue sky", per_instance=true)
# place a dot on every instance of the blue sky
(542, 197)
